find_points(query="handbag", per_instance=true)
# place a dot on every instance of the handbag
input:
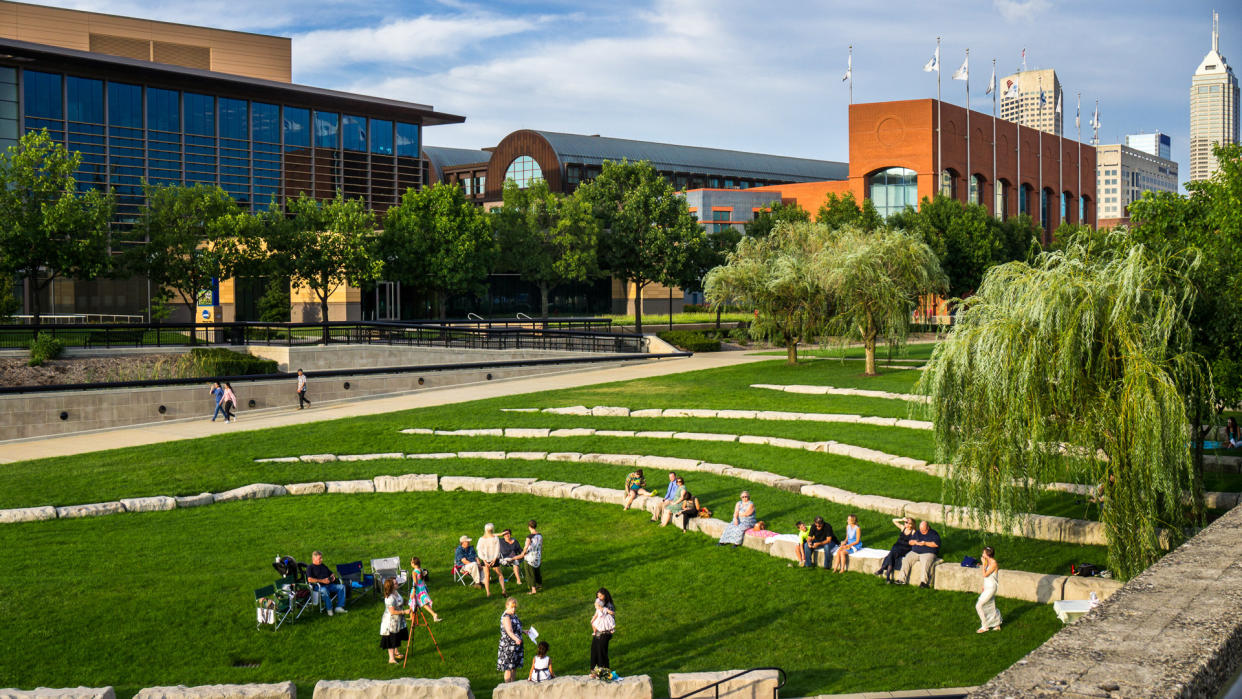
(969, 562)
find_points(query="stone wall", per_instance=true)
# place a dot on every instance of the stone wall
(402, 688)
(576, 687)
(323, 358)
(756, 685)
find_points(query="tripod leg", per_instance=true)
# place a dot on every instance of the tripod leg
(433, 636)
(408, 640)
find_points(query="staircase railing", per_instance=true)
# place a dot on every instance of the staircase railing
(716, 685)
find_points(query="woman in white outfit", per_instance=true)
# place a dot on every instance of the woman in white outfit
(989, 616)
(489, 558)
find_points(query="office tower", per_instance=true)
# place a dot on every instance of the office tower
(1156, 143)
(1213, 108)
(1028, 108)
(1124, 173)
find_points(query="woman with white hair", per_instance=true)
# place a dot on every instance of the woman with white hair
(489, 558)
(743, 518)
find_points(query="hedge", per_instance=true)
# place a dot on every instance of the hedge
(217, 361)
(691, 340)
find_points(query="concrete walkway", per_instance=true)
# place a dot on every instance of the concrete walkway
(152, 433)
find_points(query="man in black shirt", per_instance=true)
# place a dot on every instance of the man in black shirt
(321, 578)
(819, 539)
(924, 547)
(510, 549)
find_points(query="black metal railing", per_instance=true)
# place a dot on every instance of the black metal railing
(505, 334)
(716, 685)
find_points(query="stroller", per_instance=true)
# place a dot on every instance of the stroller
(289, 568)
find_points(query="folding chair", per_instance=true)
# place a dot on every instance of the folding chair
(298, 592)
(354, 579)
(269, 607)
(460, 575)
(384, 568)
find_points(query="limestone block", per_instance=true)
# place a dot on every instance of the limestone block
(753, 439)
(27, 514)
(827, 492)
(564, 456)
(576, 687)
(350, 486)
(736, 414)
(777, 415)
(879, 421)
(1032, 587)
(648, 503)
(493, 432)
(755, 685)
(706, 436)
(1043, 527)
(655, 434)
(713, 468)
(553, 489)
(408, 483)
(519, 410)
(889, 506)
(527, 432)
(769, 386)
(95, 509)
(610, 411)
(788, 443)
(863, 564)
(65, 693)
(433, 455)
(677, 412)
(914, 424)
(1081, 588)
(811, 390)
(480, 455)
(281, 690)
(614, 459)
(401, 688)
(764, 478)
(648, 412)
(418, 430)
(667, 463)
(930, 511)
(571, 410)
(829, 417)
(514, 485)
(279, 460)
(1221, 501)
(155, 503)
(907, 463)
(572, 432)
(371, 457)
(592, 493)
(711, 526)
(614, 433)
(1084, 532)
(184, 501)
(784, 549)
(473, 483)
(527, 455)
(702, 413)
(793, 485)
(314, 488)
(758, 543)
(317, 458)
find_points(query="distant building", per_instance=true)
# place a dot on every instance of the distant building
(1213, 108)
(1028, 109)
(1124, 174)
(720, 208)
(1157, 144)
(461, 166)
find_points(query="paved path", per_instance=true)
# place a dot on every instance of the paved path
(153, 433)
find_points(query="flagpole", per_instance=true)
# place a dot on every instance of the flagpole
(851, 72)
(1040, 162)
(970, 171)
(939, 158)
(1060, 113)
(1078, 129)
(994, 86)
(1022, 202)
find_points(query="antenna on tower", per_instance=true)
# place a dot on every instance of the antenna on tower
(1215, 31)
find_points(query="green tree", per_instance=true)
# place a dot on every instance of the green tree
(844, 210)
(8, 298)
(189, 238)
(47, 225)
(771, 215)
(548, 239)
(778, 276)
(874, 279)
(322, 245)
(648, 234)
(275, 303)
(1078, 365)
(713, 252)
(438, 241)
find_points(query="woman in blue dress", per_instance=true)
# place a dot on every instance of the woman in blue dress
(509, 651)
(743, 519)
(852, 544)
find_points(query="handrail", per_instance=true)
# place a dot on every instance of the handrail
(474, 316)
(523, 316)
(775, 690)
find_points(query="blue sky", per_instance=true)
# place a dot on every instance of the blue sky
(740, 74)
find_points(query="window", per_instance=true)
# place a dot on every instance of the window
(85, 100)
(381, 137)
(264, 122)
(327, 131)
(354, 133)
(721, 216)
(1001, 204)
(1082, 209)
(407, 139)
(893, 189)
(42, 95)
(1024, 199)
(976, 189)
(524, 170)
(200, 114)
(947, 182)
(163, 110)
(234, 119)
(1045, 210)
(297, 127)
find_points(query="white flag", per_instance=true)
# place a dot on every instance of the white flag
(1095, 119)
(991, 83)
(1058, 104)
(934, 63)
(849, 68)
(1078, 113)
(963, 73)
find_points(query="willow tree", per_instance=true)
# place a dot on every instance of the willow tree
(1074, 366)
(777, 276)
(874, 280)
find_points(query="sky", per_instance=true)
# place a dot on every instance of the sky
(737, 74)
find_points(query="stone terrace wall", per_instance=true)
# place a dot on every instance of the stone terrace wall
(1173, 631)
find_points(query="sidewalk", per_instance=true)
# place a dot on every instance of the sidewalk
(153, 433)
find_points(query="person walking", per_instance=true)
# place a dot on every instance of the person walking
(230, 401)
(603, 626)
(218, 393)
(989, 615)
(302, 400)
(419, 597)
(509, 651)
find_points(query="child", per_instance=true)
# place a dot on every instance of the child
(541, 668)
(419, 596)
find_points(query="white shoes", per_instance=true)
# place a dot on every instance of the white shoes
(340, 610)
(329, 611)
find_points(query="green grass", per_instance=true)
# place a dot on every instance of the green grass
(654, 319)
(913, 351)
(166, 598)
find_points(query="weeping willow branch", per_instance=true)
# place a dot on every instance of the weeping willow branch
(1085, 347)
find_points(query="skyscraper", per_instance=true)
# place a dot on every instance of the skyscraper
(1029, 108)
(1156, 143)
(1213, 108)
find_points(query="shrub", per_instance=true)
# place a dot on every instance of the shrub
(218, 361)
(43, 348)
(691, 340)
(740, 335)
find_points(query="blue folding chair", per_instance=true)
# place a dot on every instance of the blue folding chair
(354, 580)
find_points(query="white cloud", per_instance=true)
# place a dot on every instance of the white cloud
(1020, 10)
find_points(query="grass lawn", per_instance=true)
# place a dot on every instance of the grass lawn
(166, 598)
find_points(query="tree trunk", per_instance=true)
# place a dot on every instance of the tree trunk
(869, 351)
(719, 309)
(543, 299)
(323, 313)
(34, 301)
(638, 308)
(791, 350)
(670, 309)
(441, 304)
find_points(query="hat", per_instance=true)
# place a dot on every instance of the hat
(463, 539)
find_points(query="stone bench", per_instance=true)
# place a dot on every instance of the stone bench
(755, 685)
(403, 688)
(280, 690)
(65, 693)
(575, 687)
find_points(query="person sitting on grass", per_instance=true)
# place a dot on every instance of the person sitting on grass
(635, 485)
(466, 559)
(320, 578)
(670, 496)
(689, 510)
(541, 666)
(743, 519)
(898, 552)
(820, 539)
(511, 554)
(852, 544)
(924, 545)
(675, 506)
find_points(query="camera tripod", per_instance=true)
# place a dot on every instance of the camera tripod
(419, 618)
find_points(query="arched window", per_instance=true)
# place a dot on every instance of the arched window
(1066, 206)
(1001, 204)
(1045, 210)
(893, 189)
(524, 170)
(1024, 199)
(1082, 209)
(948, 183)
(976, 189)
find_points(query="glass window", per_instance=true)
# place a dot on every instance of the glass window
(1024, 199)
(1001, 205)
(947, 182)
(163, 110)
(354, 133)
(381, 137)
(893, 189)
(200, 114)
(125, 105)
(297, 127)
(85, 100)
(233, 119)
(524, 170)
(327, 131)
(976, 189)
(407, 139)
(1045, 209)
(42, 95)
(265, 122)
(1082, 209)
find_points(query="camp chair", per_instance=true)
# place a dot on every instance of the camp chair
(271, 606)
(461, 576)
(384, 568)
(298, 592)
(354, 579)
